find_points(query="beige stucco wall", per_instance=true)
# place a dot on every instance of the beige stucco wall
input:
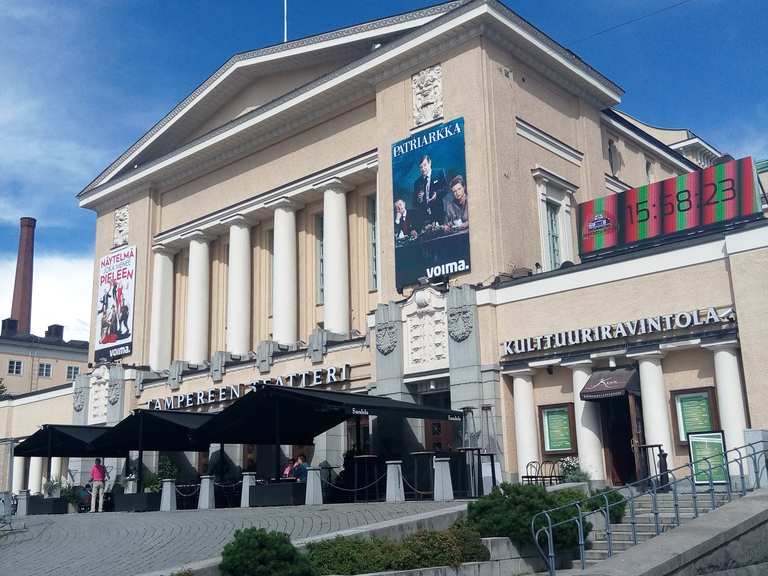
(29, 381)
(22, 417)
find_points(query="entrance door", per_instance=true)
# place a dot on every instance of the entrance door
(621, 429)
(438, 434)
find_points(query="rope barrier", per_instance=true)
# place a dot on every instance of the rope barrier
(414, 488)
(222, 485)
(195, 489)
(379, 479)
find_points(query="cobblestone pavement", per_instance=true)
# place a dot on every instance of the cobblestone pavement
(125, 544)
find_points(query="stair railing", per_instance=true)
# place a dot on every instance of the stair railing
(546, 522)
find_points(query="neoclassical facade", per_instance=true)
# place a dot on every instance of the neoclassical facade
(259, 228)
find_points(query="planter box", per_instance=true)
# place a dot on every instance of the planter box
(40, 505)
(278, 494)
(145, 502)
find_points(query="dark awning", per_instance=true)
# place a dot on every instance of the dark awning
(67, 441)
(611, 383)
(281, 415)
(164, 430)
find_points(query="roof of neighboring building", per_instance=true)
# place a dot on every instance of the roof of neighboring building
(761, 166)
(22, 339)
(393, 33)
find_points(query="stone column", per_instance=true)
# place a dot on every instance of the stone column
(206, 500)
(730, 395)
(653, 395)
(336, 258)
(55, 471)
(239, 288)
(285, 305)
(161, 323)
(314, 488)
(35, 483)
(587, 421)
(168, 495)
(443, 484)
(198, 300)
(18, 474)
(526, 425)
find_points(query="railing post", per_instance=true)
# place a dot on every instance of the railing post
(249, 479)
(168, 497)
(580, 525)
(711, 483)
(206, 500)
(675, 500)
(694, 492)
(608, 527)
(655, 507)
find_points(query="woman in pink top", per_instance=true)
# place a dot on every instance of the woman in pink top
(98, 477)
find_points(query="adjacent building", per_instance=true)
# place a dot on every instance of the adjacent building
(433, 207)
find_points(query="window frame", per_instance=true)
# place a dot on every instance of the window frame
(713, 410)
(552, 189)
(42, 368)
(19, 363)
(72, 372)
(571, 427)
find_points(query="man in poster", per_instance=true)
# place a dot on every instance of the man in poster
(429, 192)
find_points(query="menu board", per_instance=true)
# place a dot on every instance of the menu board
(693, 413)
(678, 205)
(709, 445)
(557, 430)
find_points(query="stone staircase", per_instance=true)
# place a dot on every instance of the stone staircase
(645, 524)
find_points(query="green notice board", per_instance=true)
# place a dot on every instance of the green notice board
(557, 429)
(693, 413)
(710, 445)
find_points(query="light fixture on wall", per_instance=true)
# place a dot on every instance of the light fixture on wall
(432, 385)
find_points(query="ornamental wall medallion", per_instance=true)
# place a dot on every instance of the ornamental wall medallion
(460, 323)
(427, 87)
(78, 399)
(120, 231)
(113, 391)
(386, 337)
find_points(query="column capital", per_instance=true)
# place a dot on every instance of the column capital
(647, 355)
(163, 250)
(284, 203)
(197, 235)
(731, 344)
(335, 184)
(236, 220)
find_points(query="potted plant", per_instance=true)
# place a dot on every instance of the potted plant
(69, 494)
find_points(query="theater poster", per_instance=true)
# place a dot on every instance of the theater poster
(114, 304)
(430, 204)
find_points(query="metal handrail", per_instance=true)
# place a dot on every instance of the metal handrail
(542, 523)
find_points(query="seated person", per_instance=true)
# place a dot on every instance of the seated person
(300, 468)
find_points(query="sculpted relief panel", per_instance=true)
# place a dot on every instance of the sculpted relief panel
(120, 232)
(426, 333)
(427, 87)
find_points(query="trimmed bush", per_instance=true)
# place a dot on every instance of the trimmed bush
(256, 552)
(351, 555)
(427, 549)
(472, 548)
(616, 500)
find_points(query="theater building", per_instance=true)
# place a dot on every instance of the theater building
(395, 209)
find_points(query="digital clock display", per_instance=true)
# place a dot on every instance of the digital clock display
(681, 204)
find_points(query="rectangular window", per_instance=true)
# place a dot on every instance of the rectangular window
(694, 412)
(553, 234)
(319, 281)
(44, 370)
(557, 427)
(14, 367)
(373, 246)
(73, 372)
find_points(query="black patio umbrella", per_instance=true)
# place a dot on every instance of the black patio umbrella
(67, 440)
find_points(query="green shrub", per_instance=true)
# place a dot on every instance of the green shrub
(472, 548)
(256, 552)
(152, 482)
(351, 555)
(509, 509)
(427, 549)
(617, 503)
(167, 468)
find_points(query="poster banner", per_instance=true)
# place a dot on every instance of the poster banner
(430, 211)
(675, 206)
(114, 304)
(708, 447)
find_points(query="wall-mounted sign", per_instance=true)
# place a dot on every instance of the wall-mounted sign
(221, 394)
(556, 423)
(114, 304)
(620, 330)
(682, 204)
(431, 205)
(694, 413)
(707, 453)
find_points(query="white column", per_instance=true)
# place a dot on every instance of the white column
(198, 300)
(335, 259)
(18, 474)
(285, 305)
(55, 470)
(161, 323)
(588, 430)
(730, 395)
(35, 483)
(526, 428)
(239, 288)
(653, 395)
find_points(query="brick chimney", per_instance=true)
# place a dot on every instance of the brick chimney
(21, 309)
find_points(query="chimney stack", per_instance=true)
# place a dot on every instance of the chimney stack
(21, 309)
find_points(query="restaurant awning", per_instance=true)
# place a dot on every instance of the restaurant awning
(164, 430)
(67, 440)
(611, 383)
(282, 415)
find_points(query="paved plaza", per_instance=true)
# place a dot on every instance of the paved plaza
(126, 544)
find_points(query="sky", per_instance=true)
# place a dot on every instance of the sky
(84, 79)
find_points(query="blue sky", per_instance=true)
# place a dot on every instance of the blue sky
(82, 80)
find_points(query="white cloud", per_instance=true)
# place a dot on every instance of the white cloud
(61, 293)
(746, 136)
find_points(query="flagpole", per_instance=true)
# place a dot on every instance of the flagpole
(285, 20)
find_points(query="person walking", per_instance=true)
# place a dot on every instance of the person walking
(98, 478)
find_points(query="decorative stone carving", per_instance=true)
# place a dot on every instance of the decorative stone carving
(386, 337)
(120, 232)
(78, 399)
(425, 331)
(427, 87)
(113, 391)
(460, 323)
